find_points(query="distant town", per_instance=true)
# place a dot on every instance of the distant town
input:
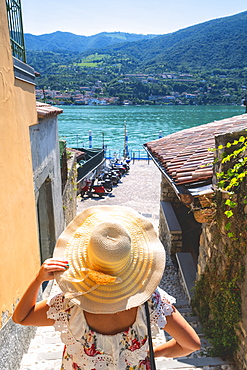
(97, 93)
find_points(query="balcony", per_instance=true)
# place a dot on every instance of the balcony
(22, 71)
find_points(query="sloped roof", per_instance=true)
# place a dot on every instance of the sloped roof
(184, 155)
(47, 111)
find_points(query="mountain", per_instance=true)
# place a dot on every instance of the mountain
(218, 43)
(208, 59)
(66, 41)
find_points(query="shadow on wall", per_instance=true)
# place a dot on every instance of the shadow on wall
(46, 223)
(191, 230)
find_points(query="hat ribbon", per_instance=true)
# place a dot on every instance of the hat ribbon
(99, 278)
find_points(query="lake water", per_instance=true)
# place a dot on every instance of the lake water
(143, 123)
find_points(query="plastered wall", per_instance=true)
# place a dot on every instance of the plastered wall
(19, 253)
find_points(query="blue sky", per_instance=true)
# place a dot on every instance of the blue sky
(133, 16)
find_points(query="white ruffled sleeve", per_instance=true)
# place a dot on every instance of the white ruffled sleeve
(57, 312)
(160, 306)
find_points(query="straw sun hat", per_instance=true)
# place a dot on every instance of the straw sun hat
(115, 259)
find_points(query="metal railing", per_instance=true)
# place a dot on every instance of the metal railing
(16, 29)
(94, 159)
(134, 154)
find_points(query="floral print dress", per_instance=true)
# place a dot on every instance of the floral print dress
(86, 349)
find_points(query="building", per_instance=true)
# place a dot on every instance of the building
(186, 164)
(31, 210)
(204, 225)
(47, 177)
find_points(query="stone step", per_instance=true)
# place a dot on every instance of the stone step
(181, 303)
(191, 319)
(170, 217)
(188, 363)
(44, 365)
(52, 355)
(185, 310)
(187, 270)
(42, 360)
(199, 331)
(41, 340)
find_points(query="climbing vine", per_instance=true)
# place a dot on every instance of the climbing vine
(231, 179)
(217, 295)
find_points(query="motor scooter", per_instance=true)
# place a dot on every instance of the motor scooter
(113, 176)
(107, 183)
(119, 167)
(122, 167)
(126, 164)
(90, 189)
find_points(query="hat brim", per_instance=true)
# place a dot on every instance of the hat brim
(138, 279)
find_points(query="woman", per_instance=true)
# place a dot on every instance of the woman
(108, 262)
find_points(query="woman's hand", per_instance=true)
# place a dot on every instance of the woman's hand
(48, 268)
(28, 312)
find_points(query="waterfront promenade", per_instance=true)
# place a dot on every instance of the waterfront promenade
(140, 189)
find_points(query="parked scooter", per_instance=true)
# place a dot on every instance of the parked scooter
(119, 167)
(122, 166)
(90, 189)
(107, 183)
(126, 164)
(113, 176)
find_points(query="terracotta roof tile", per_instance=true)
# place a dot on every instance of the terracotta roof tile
(47, 110)
(184, 155)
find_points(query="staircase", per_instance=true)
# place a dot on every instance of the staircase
(200, 359)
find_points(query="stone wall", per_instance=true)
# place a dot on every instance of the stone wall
(205, 249)
(70, 191)
(14, 342)
(182, 238)
(167, 193)
(241, 356)
(171, 239)
(221, 255)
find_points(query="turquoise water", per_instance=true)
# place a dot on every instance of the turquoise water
(143, 123)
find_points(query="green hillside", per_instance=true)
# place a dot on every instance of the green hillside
(220, 43)
(208, 60)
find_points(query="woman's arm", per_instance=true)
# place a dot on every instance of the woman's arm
(184, 338)
(28, 312)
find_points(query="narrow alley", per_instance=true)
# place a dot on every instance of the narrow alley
(139, 189)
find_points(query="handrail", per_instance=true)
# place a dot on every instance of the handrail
(134, 154)
(89, 165)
